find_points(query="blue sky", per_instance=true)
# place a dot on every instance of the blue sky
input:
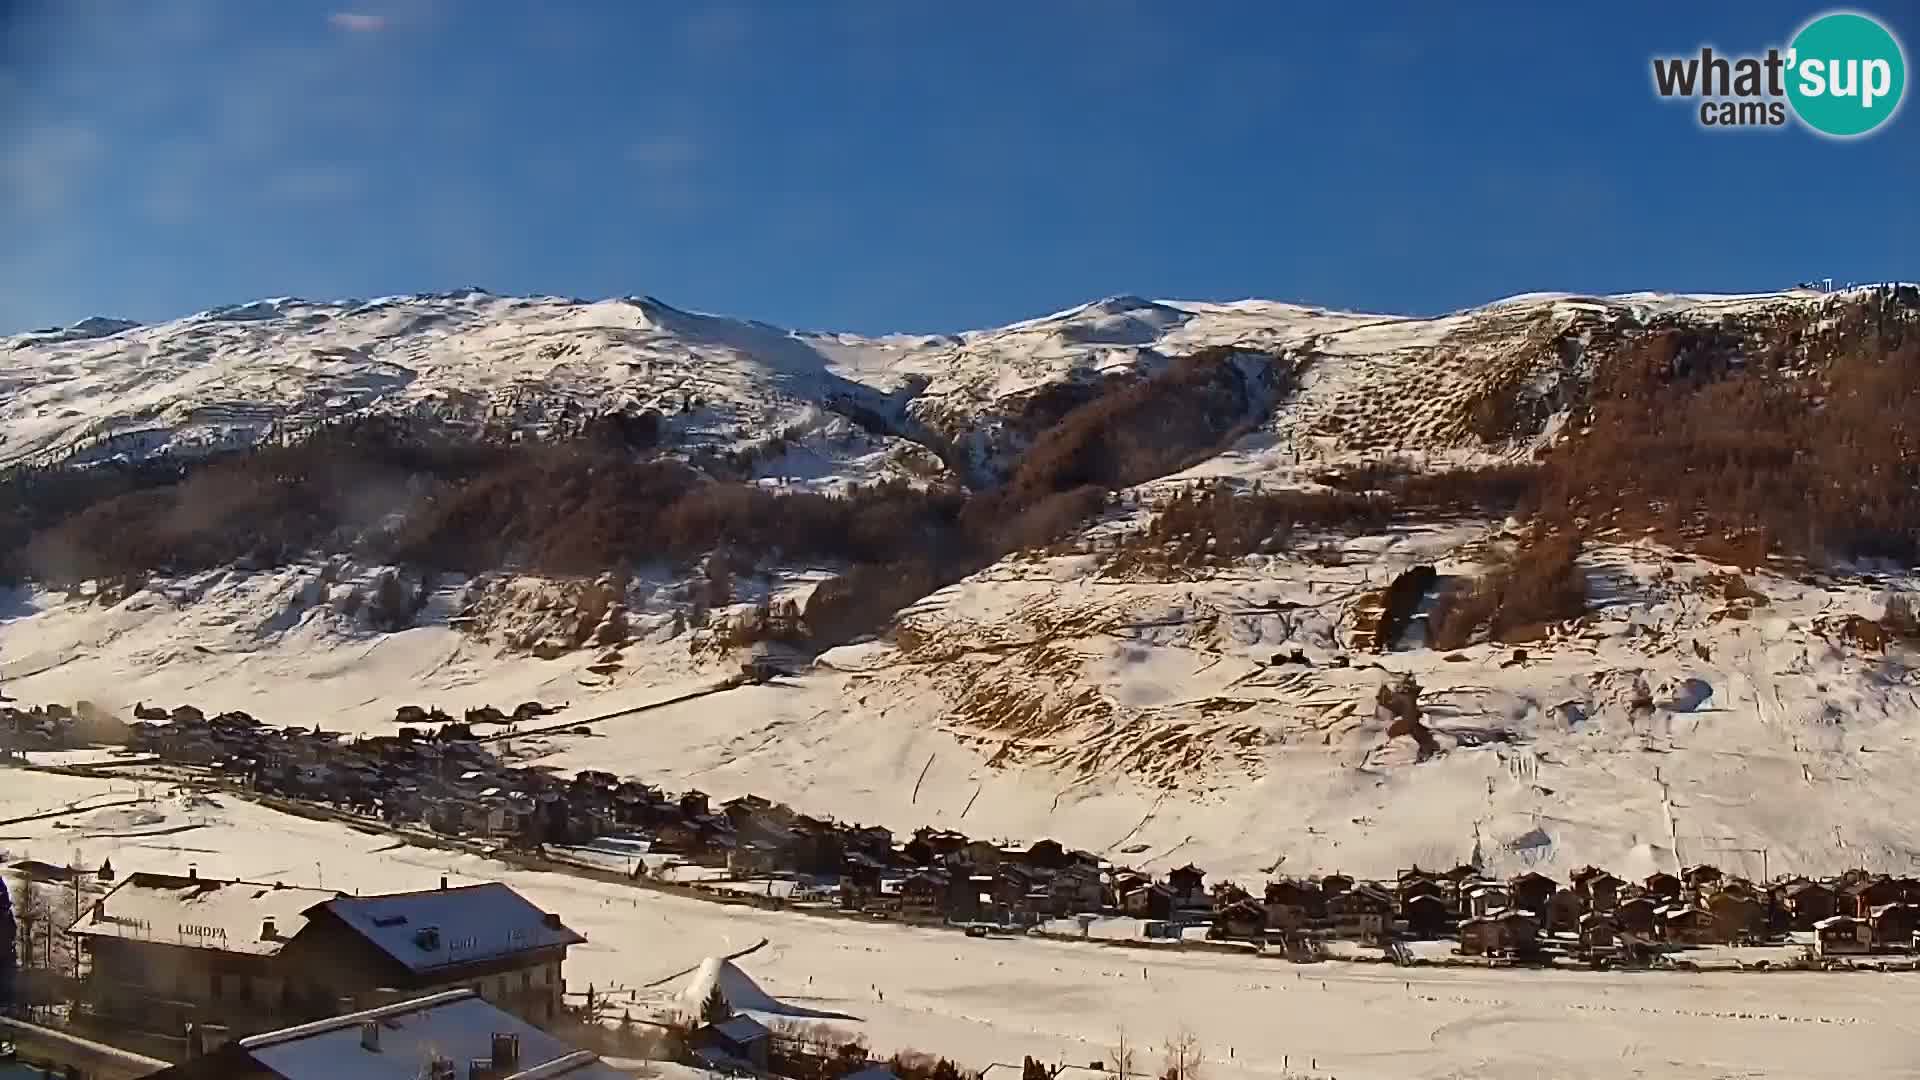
(877, 165)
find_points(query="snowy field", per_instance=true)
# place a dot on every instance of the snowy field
(1142, 720)
(999, 999)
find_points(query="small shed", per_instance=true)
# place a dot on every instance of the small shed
(739, 1037)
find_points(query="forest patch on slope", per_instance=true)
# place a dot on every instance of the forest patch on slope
(1788, 442)
(410, 493)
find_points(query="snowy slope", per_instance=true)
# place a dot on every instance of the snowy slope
(1142, 719)
(1040, 697)
(998, 1000)
(235, 375)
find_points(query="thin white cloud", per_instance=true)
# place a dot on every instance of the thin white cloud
(357, 22)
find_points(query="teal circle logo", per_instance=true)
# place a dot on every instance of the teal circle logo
(1846, 74)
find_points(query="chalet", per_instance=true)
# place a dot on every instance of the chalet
(924, 893)
(1737, 917)
(1662, 886)
(1186, 885)
(1562, 912)
(863, 870)
(873, 841)
(745, 810)
(259, 952)
(1013, 893)
(1599, 932)
(1700, 877)
(1364, 912)
(980, 855)
(1227, 892)
(1508, 933)
(1861, 897)
(1045, 855)
(818, 847)
(969, 896)
(1153, 900)
(1636, 915)
(1462, 873)
(693, 804)
(1075, 889)
(932, 845)
(1597, 889)
(1120, 883)
(485, 937)
(1240, 920)
(1807, 903)
(1291, 904)
(1409, 888)
(1684, 924)
(1892, 925)
(1522, 930)
(1838, 935)
(1427, 915)
(1334, 884)
(448, 1036)
(1486, 898)
(1532, 891)
(184, 948)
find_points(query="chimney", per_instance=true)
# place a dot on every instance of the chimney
(269, 932)
(441, 1069)
(551, 920)
(193, 873)
(506, 1052)
(99, 910)
(481, 1069)
(443, 882)
(370, 1036)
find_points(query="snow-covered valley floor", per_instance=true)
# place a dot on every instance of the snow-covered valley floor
(982, 1001)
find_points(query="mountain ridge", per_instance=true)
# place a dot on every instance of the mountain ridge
(1135, 598)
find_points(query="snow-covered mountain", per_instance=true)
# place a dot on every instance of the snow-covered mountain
(237, 375)
(1158, 715)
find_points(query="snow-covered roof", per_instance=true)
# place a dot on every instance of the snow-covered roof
(473, 922)
(456, 1025)
(1835, 921)
(202, 913)
(741, 1029)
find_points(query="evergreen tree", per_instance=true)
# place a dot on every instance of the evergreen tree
(715, 1009)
